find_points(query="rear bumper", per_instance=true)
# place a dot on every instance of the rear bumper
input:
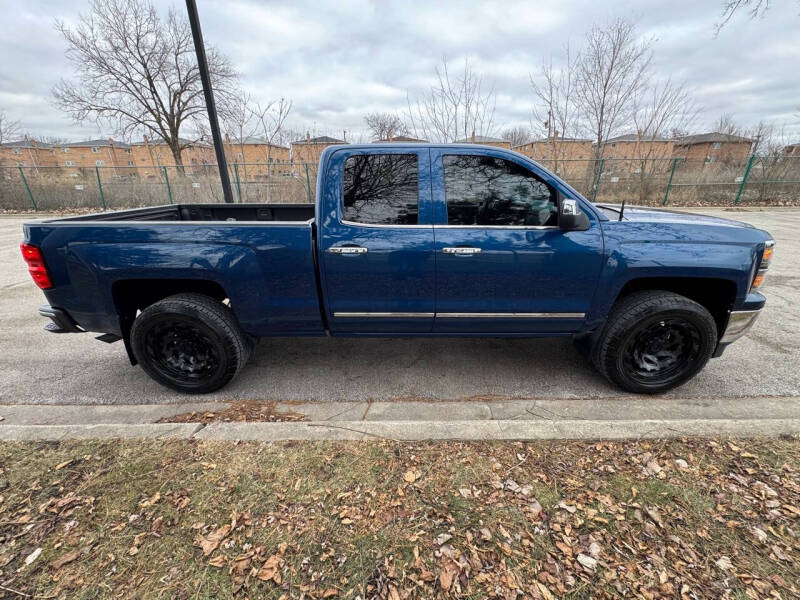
(61, 322)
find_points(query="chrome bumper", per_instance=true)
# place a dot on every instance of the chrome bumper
(739, 323)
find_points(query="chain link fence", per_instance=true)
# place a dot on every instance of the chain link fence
(111, 188)
(763, 181)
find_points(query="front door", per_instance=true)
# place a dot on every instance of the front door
(377, 253)
(503, 264)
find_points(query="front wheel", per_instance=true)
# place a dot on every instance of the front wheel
(654, 341)
(189, 342)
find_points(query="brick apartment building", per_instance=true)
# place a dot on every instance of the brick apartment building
(255, 157)
(713, 147)
(310, 149)
(634, 145)
(27, 153)
(556, 148)
(486, 141)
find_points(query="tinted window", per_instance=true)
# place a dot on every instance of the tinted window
(381, 189)
(481, 190)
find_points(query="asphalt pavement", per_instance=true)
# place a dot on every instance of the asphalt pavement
(41, 368)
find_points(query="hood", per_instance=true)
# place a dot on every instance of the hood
(657, 215)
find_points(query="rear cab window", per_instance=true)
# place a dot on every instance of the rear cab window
(381, 189)
(488, 191)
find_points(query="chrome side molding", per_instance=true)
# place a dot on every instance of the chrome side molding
(414, 315)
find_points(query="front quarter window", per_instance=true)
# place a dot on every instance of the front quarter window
(489, 191)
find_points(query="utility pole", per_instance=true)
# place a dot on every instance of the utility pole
(202, 65)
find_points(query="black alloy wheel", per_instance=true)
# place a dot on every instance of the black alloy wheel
(654, 341)
(189, 342)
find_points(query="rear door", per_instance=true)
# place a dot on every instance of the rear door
(376, 249)
(503, 264)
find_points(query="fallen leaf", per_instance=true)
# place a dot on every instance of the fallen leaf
(330, 593)
(218, 561)
(212, 541)
(32, 556)
(410, 476)
(587, 561)
(270, 570)
(60, 466)
(724, 563)
(65, 559)
(150, 501)
(655, 515)
(443, 538)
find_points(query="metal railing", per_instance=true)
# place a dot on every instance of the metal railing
(652, 181)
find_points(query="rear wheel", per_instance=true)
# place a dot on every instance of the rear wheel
(190, 343)
(654, 341)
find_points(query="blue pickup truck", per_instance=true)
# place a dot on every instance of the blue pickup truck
(405, 240)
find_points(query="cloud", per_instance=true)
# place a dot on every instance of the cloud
(338, 61)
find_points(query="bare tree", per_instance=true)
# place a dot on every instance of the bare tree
(8, 129)
(137, 72)
(612, 71)
(238, 120)
(456, 106)
(385, 125)
(658, 111)
(272, 117)
(555, 108)
(517, 135)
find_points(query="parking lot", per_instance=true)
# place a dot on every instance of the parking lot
(37, 367)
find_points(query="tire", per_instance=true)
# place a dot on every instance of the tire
(190, 343)
(654, 341)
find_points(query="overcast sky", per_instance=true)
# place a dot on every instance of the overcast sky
(341, 61)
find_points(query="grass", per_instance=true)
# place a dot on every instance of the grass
(379, 519)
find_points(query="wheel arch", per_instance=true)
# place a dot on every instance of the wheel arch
(133, 295)
(717, 295)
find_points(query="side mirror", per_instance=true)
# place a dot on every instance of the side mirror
(570, 216)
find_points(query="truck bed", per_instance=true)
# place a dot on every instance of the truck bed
(205, 212)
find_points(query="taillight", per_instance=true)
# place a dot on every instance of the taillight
(33, 256)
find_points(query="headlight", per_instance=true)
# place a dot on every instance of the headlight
(766, 257)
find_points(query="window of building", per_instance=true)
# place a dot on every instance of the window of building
(95, 149)
(127, 150)
(65, 150)
(709, 159)
(482, 190)
(131, 163)
(20, 164)
(70, 163)
(716, 145)
(98, 163)
(239, 156)
(381, 189)
(17, 150)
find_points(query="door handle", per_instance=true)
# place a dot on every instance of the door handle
(347, 250)
(462, 251)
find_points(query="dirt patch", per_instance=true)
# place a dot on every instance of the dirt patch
(239, 411)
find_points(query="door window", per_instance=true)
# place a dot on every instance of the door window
(381, 189)
(483, 190)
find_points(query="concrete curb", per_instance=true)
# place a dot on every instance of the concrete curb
(413, 430)
(101, 431)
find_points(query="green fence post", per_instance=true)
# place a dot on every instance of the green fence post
(308, 185)
(744, 178)
(238, 185)
(100, 187)
(669, 183)
(597, 181)
(27, 187)
(166, 180)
